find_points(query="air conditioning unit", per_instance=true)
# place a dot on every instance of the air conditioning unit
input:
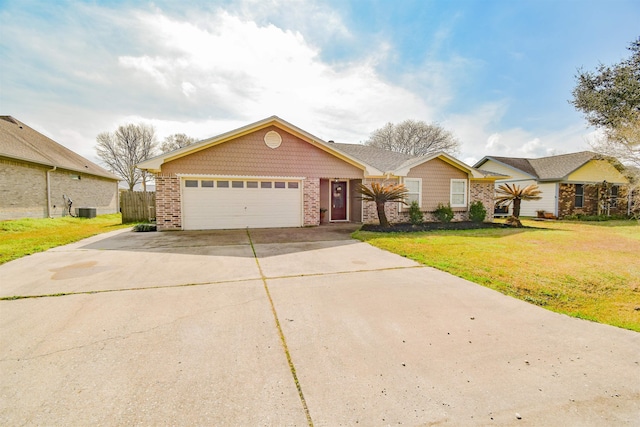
(86, 212)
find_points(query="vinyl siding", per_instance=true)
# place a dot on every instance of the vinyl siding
(436, 177)
(493, 166)
(597, 171)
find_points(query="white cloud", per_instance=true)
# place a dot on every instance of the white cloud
(257, 71)
(481, 134)
(205, 71)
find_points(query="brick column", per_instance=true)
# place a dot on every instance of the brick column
(485, 192)
(168, 206)
(311, 201)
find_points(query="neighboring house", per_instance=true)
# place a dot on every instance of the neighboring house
(36, 172)
(273, 174)
(576, 183)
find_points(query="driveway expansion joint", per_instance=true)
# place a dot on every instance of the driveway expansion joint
(283, 340)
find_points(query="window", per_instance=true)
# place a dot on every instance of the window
(292, 185)
(414, 185)
(252, 184)
(191, 183)
(265, 184)
(223, 184)
(280, 184)
(579, 202)
(207, 184)
(458, 193)
(237, 184)
(76, 177)
(613, 196)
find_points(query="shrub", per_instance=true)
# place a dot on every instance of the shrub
(444, 213)
(477, 211)
(415, 215)
(144, 227)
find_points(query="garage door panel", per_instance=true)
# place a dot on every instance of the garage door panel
(215, 208)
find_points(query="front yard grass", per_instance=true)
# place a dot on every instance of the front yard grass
(30, 235)
(585, 270)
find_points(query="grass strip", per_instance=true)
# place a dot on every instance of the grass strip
(27, 236)
(585, 270)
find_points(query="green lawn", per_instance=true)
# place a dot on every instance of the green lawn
(27, 236)
(583, 269)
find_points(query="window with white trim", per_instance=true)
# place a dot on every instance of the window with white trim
(414, 187)
(458, 196)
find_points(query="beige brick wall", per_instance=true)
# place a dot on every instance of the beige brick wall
(23, 191)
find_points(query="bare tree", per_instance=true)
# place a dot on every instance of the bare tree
(416, 138)
(176, 141)
(123, 149)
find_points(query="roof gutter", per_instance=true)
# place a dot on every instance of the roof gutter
(49, 191)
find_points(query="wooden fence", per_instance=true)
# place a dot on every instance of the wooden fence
(137, 206)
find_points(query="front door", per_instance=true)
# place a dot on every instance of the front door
(338, 201)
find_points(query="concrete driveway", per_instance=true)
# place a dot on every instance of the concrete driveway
(290, 327)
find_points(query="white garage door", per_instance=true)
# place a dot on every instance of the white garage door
(239, 203)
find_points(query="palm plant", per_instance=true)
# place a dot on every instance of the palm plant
(381, 194)
(508, 194)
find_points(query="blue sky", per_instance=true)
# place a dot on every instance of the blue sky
(498, 74)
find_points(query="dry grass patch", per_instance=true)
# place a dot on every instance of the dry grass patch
(30, 235)
(586, 270)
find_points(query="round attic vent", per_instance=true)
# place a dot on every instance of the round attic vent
(273, 139)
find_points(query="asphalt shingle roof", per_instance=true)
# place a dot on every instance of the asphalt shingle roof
(19, 141)
(548, 168)
(379, 158)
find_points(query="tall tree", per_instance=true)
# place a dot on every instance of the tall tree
(610, 101)
(123, 149)
(176, 141)
(416, 138)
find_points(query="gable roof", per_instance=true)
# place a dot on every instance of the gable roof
(20, 142)
(552, 168)
(374, 161)
(154, 164)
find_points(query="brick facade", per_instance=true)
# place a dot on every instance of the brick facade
(593, 193)
(485, 192)
(311, 201)
(168, 203)
(23, 191)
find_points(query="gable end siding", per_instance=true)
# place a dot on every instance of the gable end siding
(248, 155)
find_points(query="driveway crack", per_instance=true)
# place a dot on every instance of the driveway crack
(283, 340)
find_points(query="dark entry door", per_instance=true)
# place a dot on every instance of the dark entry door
(338, 200)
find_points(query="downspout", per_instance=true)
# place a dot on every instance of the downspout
(49, 191)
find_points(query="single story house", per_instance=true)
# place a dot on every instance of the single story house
(36, 172)
(576, 183)
(273, 174)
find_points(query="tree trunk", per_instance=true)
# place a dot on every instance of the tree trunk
(382, 216)
(516, 208)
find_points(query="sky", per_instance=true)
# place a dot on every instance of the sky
(498, 74)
